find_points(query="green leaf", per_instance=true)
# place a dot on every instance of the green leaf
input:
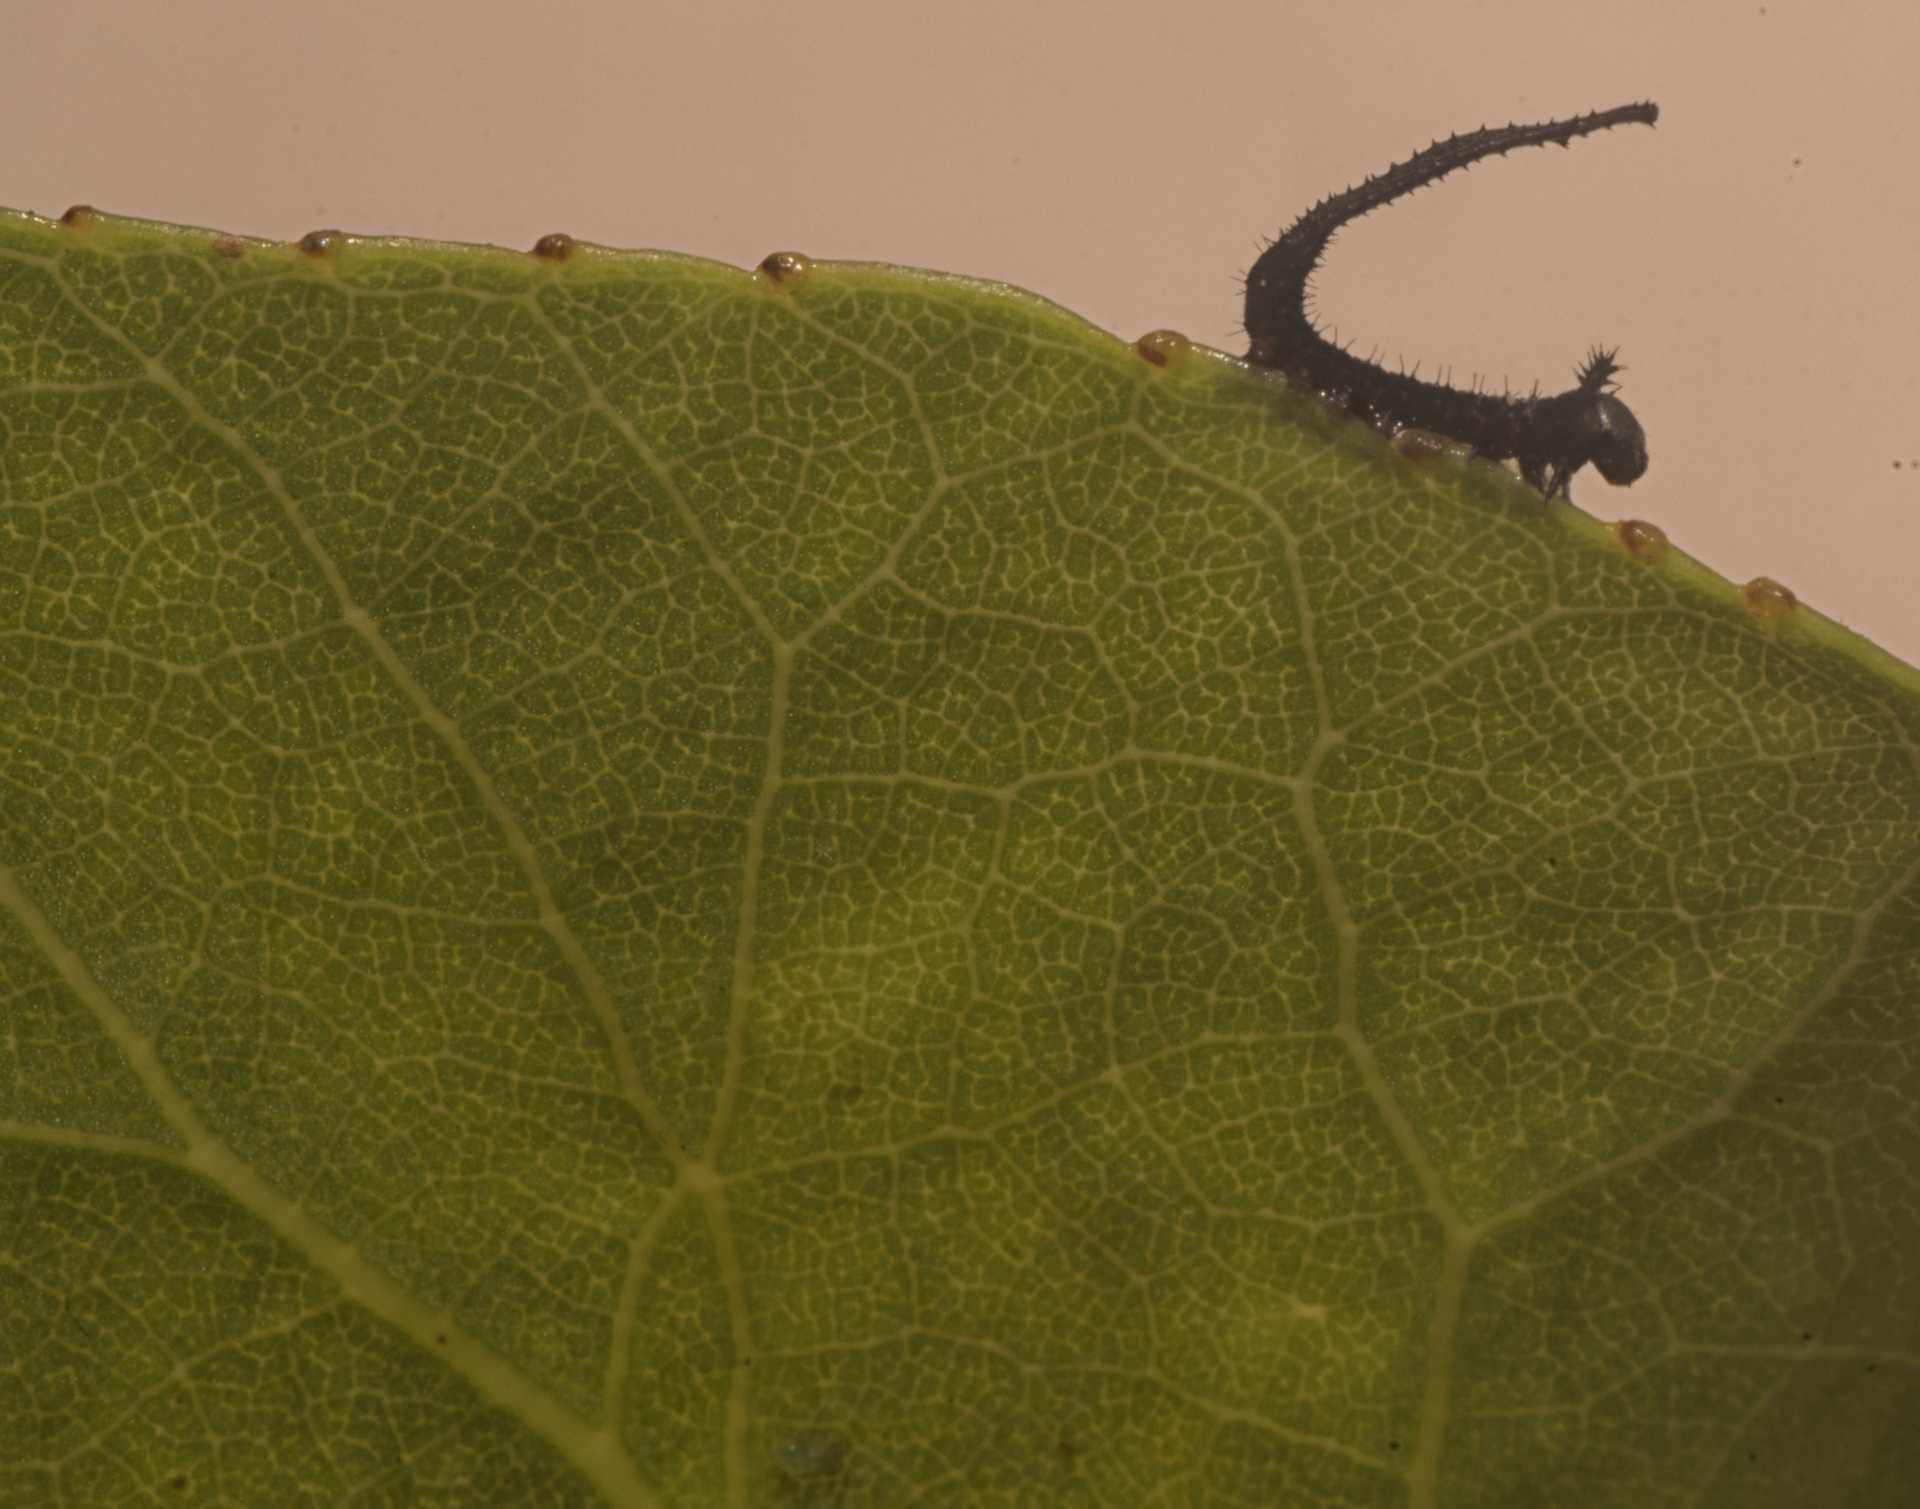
(625, 881)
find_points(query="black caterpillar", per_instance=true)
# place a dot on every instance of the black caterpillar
(1551, 438)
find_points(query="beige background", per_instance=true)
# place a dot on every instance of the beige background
(1753, 257)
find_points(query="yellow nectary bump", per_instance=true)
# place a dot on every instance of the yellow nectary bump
(319, 243)
(1424, 445)
(555, 246)
(79, 214)
(1163, 348)
(1766, 598)
(786, 267)
(1644, 541)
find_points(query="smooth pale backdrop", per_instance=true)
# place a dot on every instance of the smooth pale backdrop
(1753, 257)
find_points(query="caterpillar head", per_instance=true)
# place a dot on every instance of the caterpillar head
(1608, 433)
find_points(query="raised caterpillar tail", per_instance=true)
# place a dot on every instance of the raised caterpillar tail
(1277, 283)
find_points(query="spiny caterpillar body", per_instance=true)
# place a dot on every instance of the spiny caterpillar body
(1551, 438)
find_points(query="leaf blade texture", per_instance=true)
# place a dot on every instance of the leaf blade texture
(632, 882)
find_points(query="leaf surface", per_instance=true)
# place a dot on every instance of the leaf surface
(622, 881)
